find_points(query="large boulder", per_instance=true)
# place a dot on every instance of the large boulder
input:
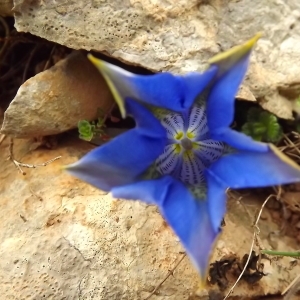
(180, 36)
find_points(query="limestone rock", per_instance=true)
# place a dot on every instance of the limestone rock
(180, 36)
(62, 239)
(55, 100)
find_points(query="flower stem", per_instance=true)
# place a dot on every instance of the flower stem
(281, 253)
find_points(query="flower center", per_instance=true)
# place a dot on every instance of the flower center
(187, 144)
(189, 150)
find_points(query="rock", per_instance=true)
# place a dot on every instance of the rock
(180, 36)
(6, 8)
(55, 100)
(63, 239)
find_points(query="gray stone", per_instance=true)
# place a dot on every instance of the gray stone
(63, 239)
(180, 36)
(55, 100)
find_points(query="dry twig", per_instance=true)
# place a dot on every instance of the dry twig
(2, 138)
(255, 238)
(291, 289)
(32, 53)
(169, 274)
(35, 194)
(292, 146)
(20, 165)
(47, 64)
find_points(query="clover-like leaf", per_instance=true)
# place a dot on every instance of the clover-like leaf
(86, 130)
(273, 132)
(262, 126)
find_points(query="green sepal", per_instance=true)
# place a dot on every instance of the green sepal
(199, 191)
(151, 173)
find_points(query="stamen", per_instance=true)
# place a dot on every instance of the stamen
(190, 150)
(179, 135)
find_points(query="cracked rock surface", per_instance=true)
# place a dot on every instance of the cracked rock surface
(180, 36)
(63, 239)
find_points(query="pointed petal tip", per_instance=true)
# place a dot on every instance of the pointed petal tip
(72, 170)
(284, 157)
(237, 52)
(69, 168)
(64, 167)
(94, 60)
(203, 282)
(104, 69)
(201, 253)
(101, 65)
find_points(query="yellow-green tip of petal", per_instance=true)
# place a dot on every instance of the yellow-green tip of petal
(284, 158)
(103, 69)
(202, 285)
(64, 167)
(227, 59)
(96, 61)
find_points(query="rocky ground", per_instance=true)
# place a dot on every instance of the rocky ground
(63, 239)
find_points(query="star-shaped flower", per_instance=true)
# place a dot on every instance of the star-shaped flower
(182, 155)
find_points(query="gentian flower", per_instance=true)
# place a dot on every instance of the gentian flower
(182, 155)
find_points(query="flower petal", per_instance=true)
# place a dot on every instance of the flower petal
(216, 200)
(121, 160)
(232, 66)
(226, 60)
(174, 125)
(167, 162)
(220, 103)
(163, 89)
(188, 217)
(192, 169)
(208, 151)
(197, 126)
(238, 140)
(255, 169)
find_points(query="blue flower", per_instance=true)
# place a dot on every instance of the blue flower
(182, 155)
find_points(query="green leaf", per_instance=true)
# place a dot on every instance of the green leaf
(273, 131)
(262, 126)
(86, 130)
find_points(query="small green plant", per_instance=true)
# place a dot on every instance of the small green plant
(262, 126)
(87, 130)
